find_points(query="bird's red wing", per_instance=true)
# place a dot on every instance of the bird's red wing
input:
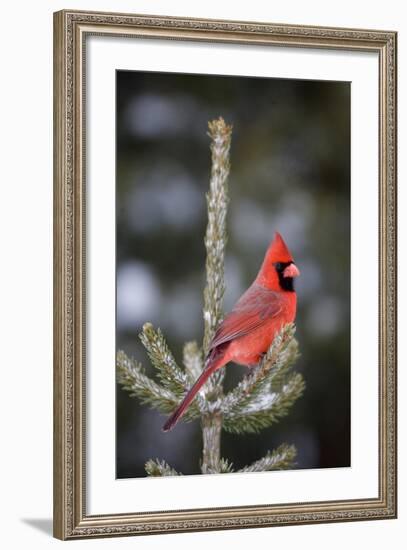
(255, 306)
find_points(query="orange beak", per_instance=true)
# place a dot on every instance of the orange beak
(291, 271)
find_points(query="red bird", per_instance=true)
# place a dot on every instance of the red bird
(248, 330)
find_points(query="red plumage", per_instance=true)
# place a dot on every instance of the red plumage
(248, 330)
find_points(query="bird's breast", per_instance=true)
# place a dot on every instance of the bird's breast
(248, 349)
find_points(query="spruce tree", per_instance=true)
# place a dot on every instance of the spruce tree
(264, 395)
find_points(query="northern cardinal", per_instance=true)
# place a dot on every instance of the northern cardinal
(248, 330)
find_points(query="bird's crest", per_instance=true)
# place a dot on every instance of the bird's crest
(278, 250)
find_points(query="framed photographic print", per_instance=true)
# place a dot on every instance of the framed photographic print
(225, 274)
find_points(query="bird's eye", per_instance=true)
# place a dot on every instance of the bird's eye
(278, 266)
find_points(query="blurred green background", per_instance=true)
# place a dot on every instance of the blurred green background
(290, 171)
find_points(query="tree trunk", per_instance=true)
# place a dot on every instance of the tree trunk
(211, 432)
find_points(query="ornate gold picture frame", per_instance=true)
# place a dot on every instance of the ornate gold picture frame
(71, 31)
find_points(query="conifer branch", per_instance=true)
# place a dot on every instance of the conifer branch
(216, 236)
(225, 467)
(159, 468)
(281, 458)
(131, 376)
(168, 372)
(211, 435)
(215, 243)
(266, 395)
(193, 363)
(266, 409)
(222, 467)
(192, 359)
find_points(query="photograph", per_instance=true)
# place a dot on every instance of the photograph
(233, 262)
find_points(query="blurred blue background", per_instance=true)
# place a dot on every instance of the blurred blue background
(290, 171)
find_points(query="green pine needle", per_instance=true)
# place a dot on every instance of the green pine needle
(132, 378)
(159, 468)
(281, 458)
(168, 372)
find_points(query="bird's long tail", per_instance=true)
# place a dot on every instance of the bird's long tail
(211, 366)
